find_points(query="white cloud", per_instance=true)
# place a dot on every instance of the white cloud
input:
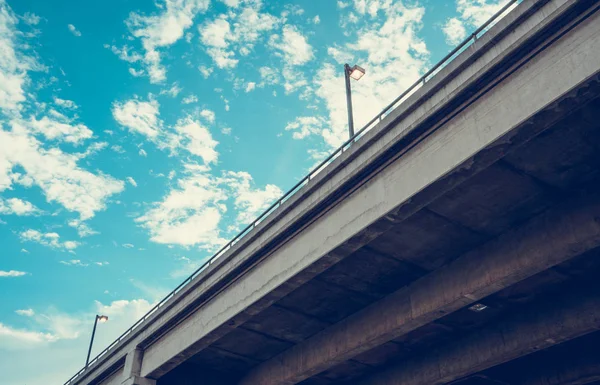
(128, 245)
(316, 20)
(205, 71)
(31, 18)
(13, 339)
(53, 327)
(57, 130)
(195, 138)
(293, 46)
(136, 73)
(125, 53)
(231, 3)
(249, 201)
(55, 172)
(173, 91)
(250, 86)
(74, 30)
(74, 262)
(131, 181)
(226, 130)
(25, 312)
(138, 116)
(190, 99)
(65, 103)
(477, 12)
(83, 230)
(17, 206)
(208, 115)
(13, 65)
(455, 31)
(189, 134)
(12, 273)
(306, 125)
(236, 31)
(143, 152)
(47, 239)
(163, 30)
(191, 213)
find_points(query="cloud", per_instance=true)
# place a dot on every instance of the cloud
(138, 116)
(190, 99)
(74, 262)
(65, 103)
(128, 245)
(249, 201)
(173, 91)
(83, 230)
(131, 181)
(143, 152)
(231, 3)
(57, 173)
(292, 46)
(455, 31)
(191, 213)
(25, 312)
(31, 18)
(196, 138)
(47, 239)
(477, 12)
(250, 86)
(306, 125)
(472, 13)
(12, 273)
(188, 133)
(205, 71)
(13, 339)
(13, 65)
(53, 327)
(74, 30)
(162, 30)
(17, 206)
(125, 53)
(56, 130)
(236, 31)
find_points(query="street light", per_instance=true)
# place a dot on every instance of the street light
(101, 319)
(355, 73)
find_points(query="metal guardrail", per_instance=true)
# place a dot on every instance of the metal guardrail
(389, 108)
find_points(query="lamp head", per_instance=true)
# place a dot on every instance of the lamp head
(102, 318)
(356, 72)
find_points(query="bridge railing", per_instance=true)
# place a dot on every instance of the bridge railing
(298, 186)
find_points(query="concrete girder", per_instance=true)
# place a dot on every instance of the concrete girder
(546, 240)
(537, 327)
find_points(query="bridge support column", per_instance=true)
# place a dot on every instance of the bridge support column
(133, 366)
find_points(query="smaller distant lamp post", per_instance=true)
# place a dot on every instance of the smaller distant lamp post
(355, 73)
(101, 319)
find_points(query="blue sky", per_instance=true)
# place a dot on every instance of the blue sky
(136, 137)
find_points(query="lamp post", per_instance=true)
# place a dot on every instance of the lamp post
(355, 73)
(102, 319)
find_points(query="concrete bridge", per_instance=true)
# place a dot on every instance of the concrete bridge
(457, 241)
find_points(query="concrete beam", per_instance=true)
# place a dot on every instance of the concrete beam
(537, 327)
(584, 371)
(549, 239)
(133, 366)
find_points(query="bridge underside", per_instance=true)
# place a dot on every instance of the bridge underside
(534, 325)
